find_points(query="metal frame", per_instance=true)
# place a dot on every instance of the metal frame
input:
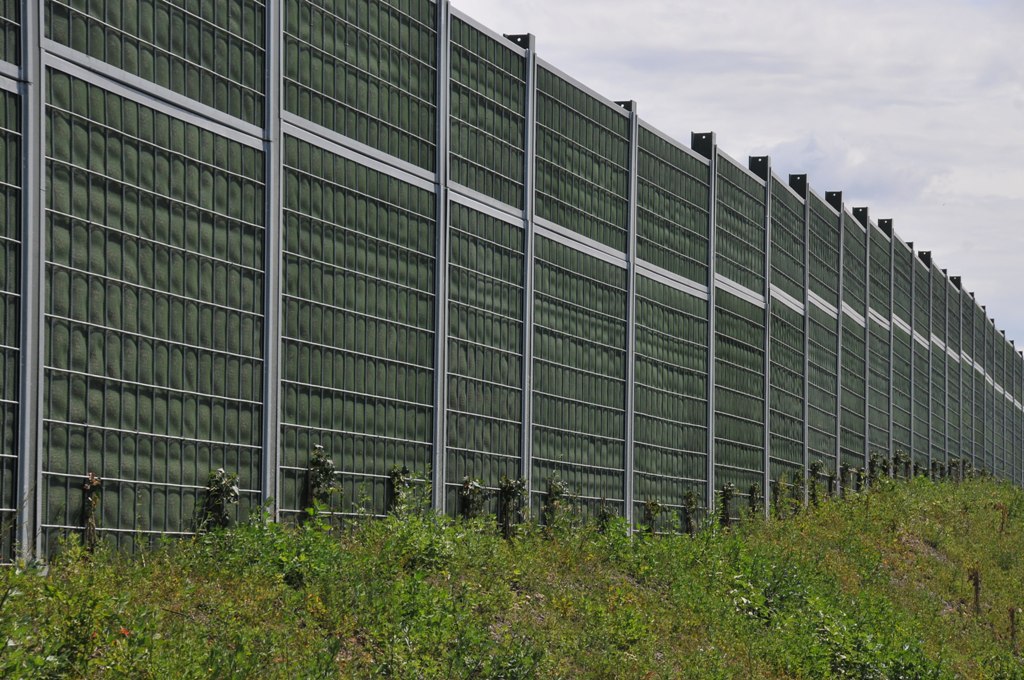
(440, 466)
(273, 258)
(33, 283)
(39, 53)
(628, 471)
(705, 144)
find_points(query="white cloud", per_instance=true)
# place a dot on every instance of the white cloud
(913, 108)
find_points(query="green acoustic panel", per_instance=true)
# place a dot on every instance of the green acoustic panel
(579, 374)
(154, 312)
(879, 379)
(853, 402)
(786, 403)
(10, 309)
(823, 249)
(881, 268)
(672, 208)
(488, 114)
(582, 161)
(366, 70)
(10, 31)
(210, 51)
(902, 380)
(740, 237)
(740, 375)
(670, 440)
(968, 376)
(822, 387)
(902, 284)
(358, 326)
(485, 350)
(789, 244)
(855, 273)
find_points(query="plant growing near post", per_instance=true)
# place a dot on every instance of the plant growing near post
(817, 467)
(511, 495)
(844, 479)
(90, 503)
(320, 478)
(876, 468)
(690, 512)
(221, 496)
(797, 488)
(652, 511)
(777, 493)
(559, 503)
(725, 497)
(756, 499)
(472, 497)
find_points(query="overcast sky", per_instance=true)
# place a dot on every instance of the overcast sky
(913, 108)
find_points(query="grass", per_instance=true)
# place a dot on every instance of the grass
(874, 586)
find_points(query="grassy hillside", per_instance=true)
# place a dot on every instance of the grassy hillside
(875, 586)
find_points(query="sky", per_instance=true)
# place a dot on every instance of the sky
(913, 108)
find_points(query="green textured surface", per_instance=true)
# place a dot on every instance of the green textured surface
(366, 70)
(672, 208)
(582, 161)
(488, 125)
(10, 307)
(825, 239)
(211, 51)
(786, 425)
(740, 239)
(579, 371)
(740, 375)
(670, 447)
(822, 387)
(788, 246)
(853, 403)
(485, 349)
(358, 325)
(154, 311)
(10, 31)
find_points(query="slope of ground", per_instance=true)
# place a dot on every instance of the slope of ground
(875, 586)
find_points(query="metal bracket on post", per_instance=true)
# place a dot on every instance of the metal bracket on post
(704, 143)
(439, 472)
(630, 434)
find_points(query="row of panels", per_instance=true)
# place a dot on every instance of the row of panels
(512, 278)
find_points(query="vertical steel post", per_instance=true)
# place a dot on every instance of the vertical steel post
(762, 167)
(273, 253)
(629, 461)
(529, 43)
(835, 199)
(704, 144)
(861, 214)
(439, 471)
(799, 184)
(886, 226)
(33, 284)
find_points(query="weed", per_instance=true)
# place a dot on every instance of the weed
(219, 501)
